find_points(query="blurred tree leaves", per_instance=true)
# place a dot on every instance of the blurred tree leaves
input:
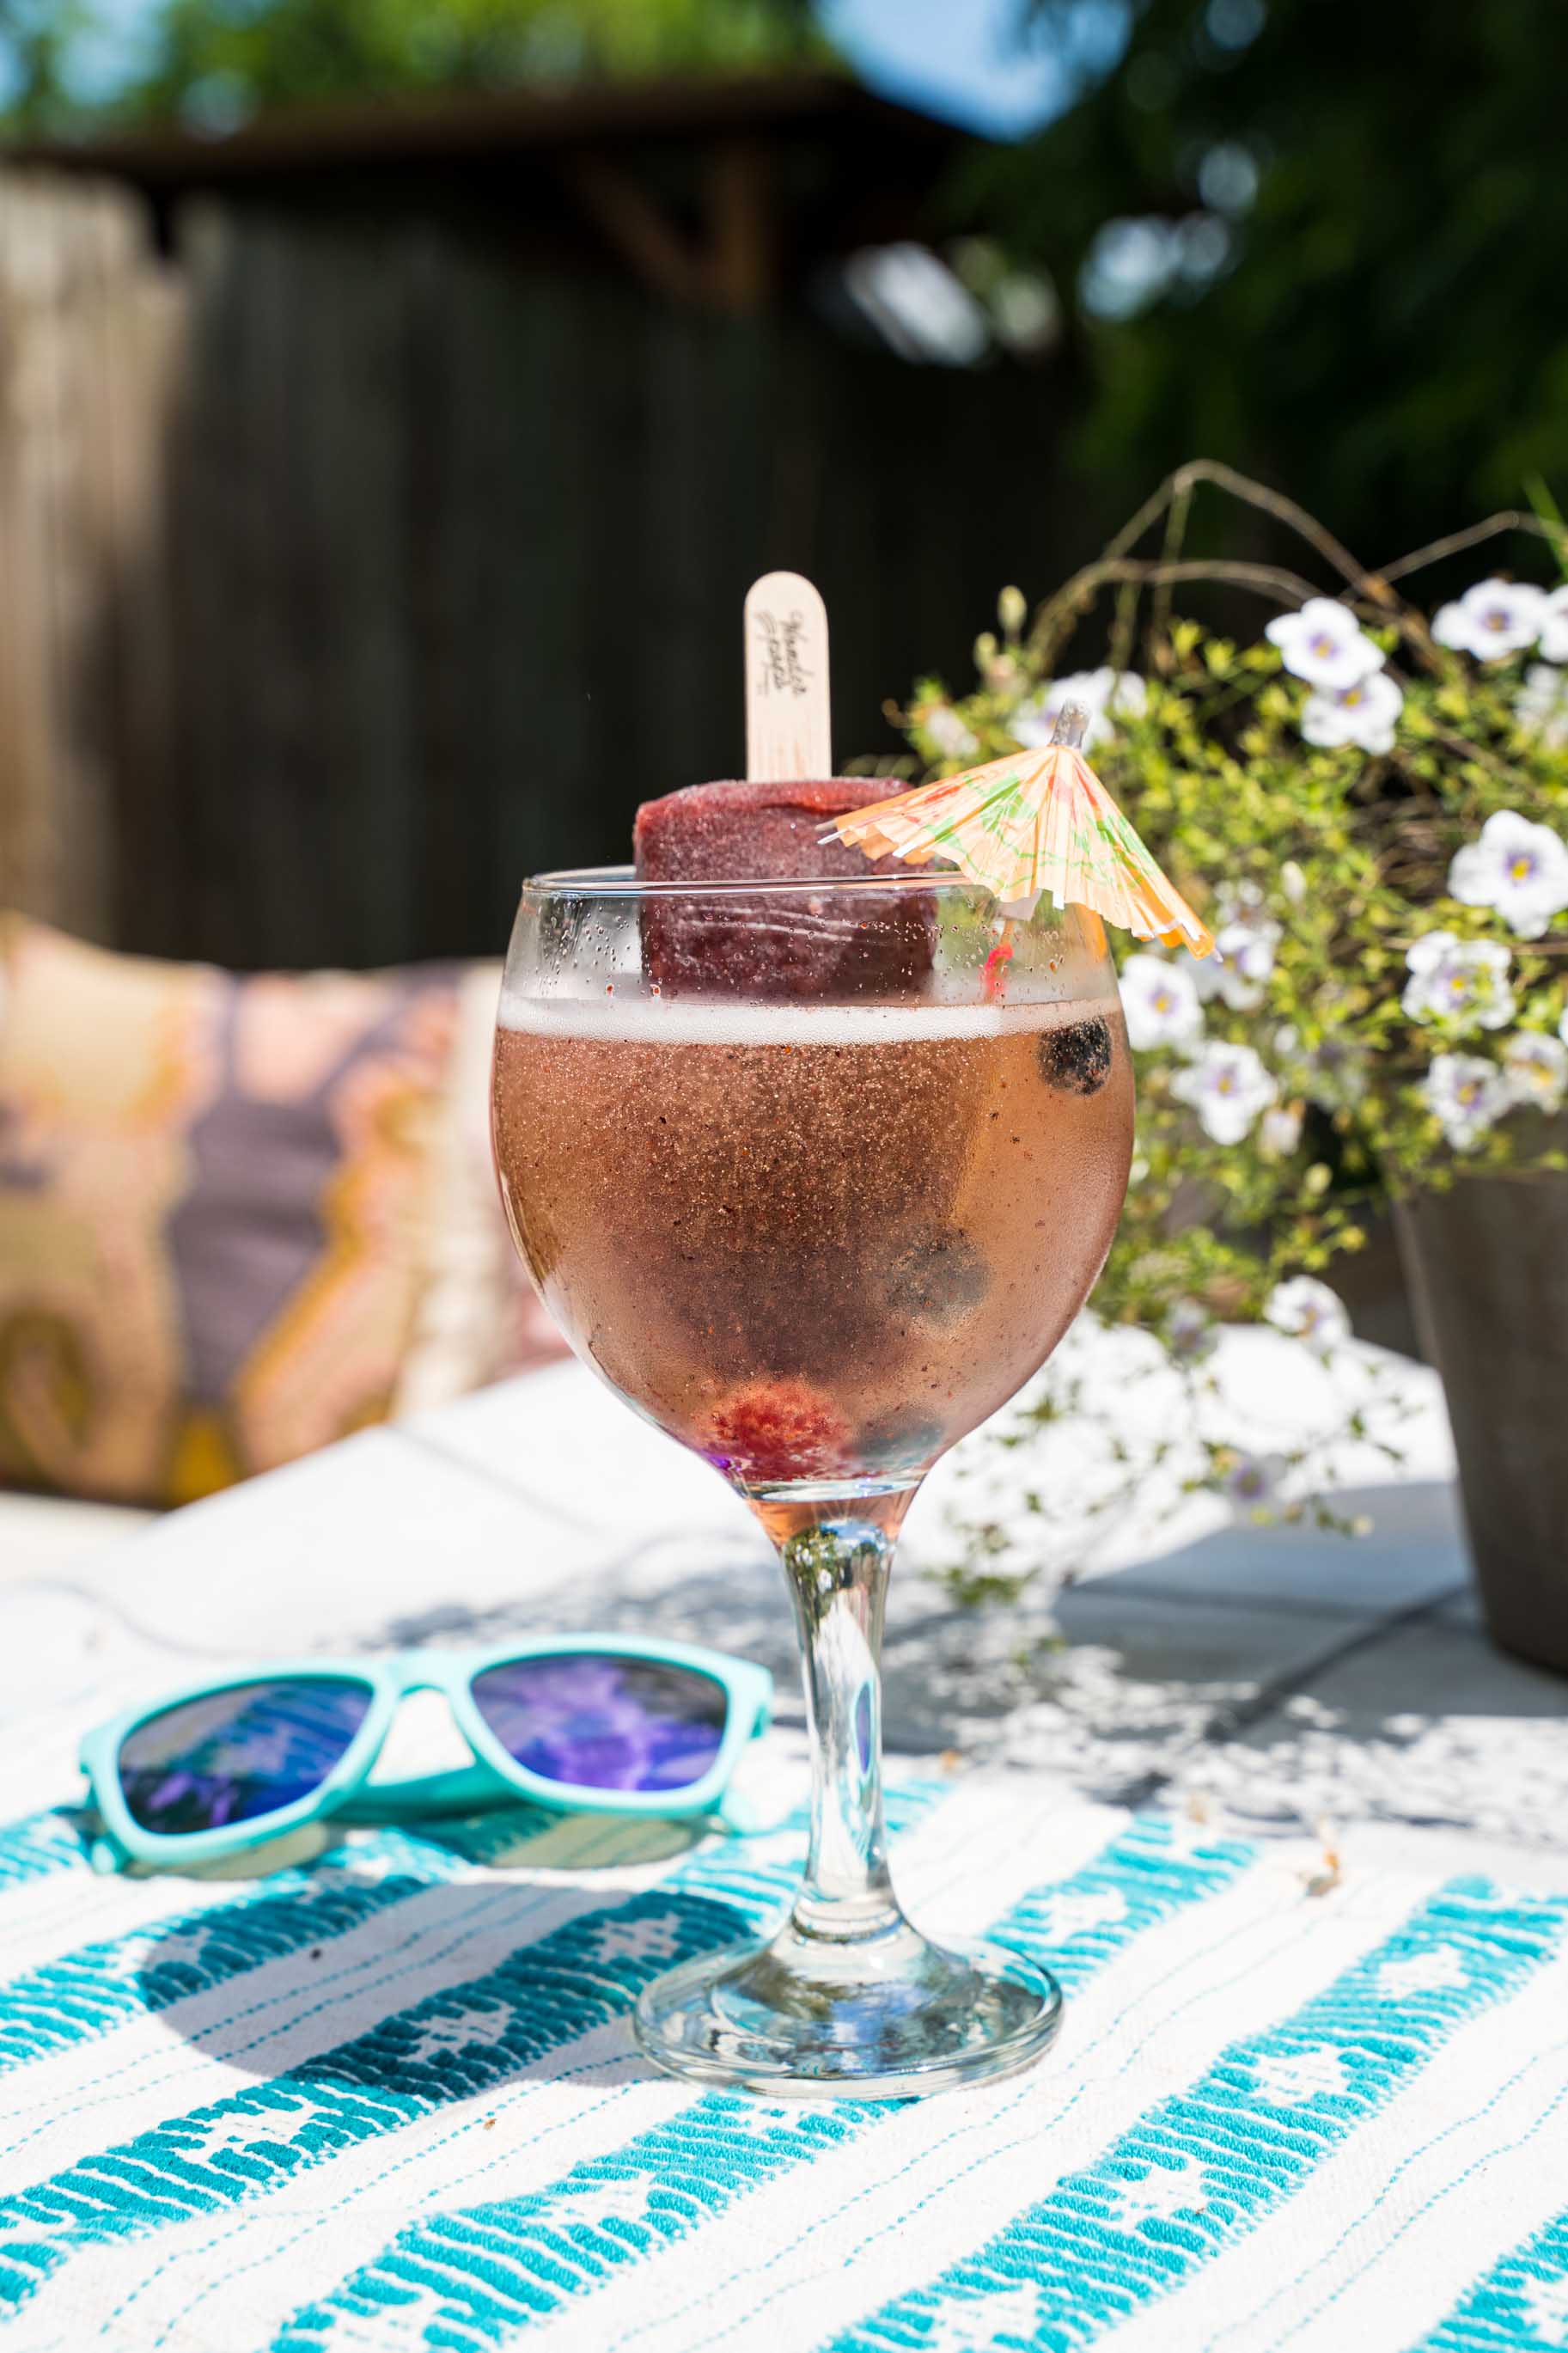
(1320, 238)
(215, 63)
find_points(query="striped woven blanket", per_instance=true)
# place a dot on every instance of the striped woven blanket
(386, 2097)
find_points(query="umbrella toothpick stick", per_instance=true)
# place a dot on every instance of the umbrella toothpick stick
(1072, 725)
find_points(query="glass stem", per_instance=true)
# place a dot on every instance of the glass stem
(838, 1573)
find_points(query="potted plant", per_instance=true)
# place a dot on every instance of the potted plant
(1372, 809)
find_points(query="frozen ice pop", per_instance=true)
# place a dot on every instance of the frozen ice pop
(836, 945)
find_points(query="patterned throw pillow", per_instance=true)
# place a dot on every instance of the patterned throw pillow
(238, 1218)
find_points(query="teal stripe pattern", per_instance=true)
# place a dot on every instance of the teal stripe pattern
(1204, 2167)
(38, 1845)
(96, 1988)
(475, 2277)
(453, 2045)
(1522, 2302)
(1146, 1873)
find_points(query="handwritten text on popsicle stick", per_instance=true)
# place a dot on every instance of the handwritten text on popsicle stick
(783, 671)
(788, 733)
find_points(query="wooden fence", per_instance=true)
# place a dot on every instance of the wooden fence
(90, 333)
(349, 570)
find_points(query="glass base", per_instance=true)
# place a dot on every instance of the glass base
(875, 2018)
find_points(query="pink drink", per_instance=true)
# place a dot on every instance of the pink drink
(816, 1243)
(816, 1203)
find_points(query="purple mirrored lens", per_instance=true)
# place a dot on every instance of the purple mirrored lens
(600, 1722)
(238, 1754)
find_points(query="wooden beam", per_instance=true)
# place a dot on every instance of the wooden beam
(632, 222)
(458, 128)
(743, 242)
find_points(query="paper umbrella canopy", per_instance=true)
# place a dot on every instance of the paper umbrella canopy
(1037, 821)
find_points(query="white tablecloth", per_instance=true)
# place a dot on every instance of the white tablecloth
(385, 2095)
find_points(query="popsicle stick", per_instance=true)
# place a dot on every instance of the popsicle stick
(789, 729)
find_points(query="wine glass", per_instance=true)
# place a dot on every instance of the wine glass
(812, 1200)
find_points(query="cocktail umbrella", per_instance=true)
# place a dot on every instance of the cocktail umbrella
(1037, 821)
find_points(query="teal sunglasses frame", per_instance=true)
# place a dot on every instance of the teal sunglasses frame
(494, 1778)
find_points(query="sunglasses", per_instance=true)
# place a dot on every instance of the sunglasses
(587, 1723)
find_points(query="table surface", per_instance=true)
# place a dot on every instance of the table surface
(1237, 1703)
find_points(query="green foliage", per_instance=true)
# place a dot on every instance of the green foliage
(1320, 869)
(1371, 308)
(218, 61)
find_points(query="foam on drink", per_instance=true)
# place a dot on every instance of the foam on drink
(635, 1019)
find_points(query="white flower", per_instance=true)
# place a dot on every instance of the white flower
(1247, 939)
(947, 732)
(1228, 1086)
(1105, 695)
(1362, 712)
(1252, 1482)
(1190, 1334)
(1541, 706)
(1160, 1002)
(1463, 984)
(1324, 643)
(1554, 626)
(1280, 1131)
(1239, 903)
(1520, 869)
(1309, 1310)
(1293, 881)
(1491, 620)
(1125, 692)
(1465, 1096)
(1537, 1069)
(1247, 949)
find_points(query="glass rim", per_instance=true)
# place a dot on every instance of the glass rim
(625, 882)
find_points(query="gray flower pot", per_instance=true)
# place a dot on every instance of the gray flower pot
(1486, 1263)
